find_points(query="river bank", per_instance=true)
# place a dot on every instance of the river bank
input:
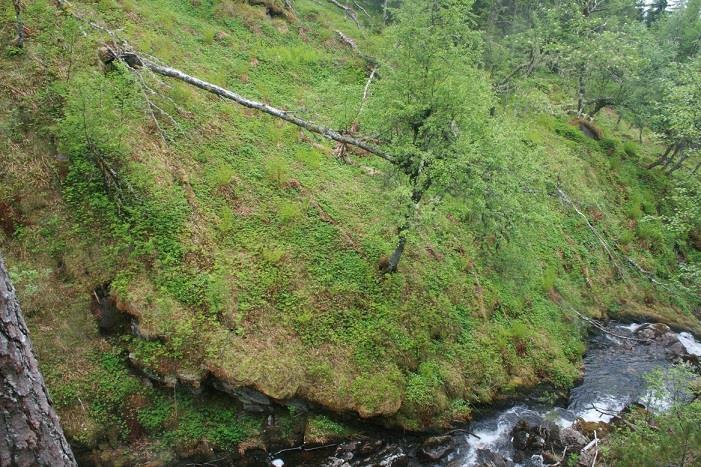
(530, 432)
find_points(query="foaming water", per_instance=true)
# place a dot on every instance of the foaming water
(690, 344)
(613, 377)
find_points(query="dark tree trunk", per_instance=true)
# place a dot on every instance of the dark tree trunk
(30, 433)
(19, 42)
(679, 163)
(663, 157)
(393, 263)
(581, 93)
(678, 149)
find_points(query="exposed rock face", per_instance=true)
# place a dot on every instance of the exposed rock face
(252, 400)
(30, 432)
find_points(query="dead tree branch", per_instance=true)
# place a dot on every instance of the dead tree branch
(601, 328)
(602, 241)
(341, 149)
(350, 12)
(121, 51)
(265, 108)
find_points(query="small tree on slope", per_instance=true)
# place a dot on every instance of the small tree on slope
(432, 103)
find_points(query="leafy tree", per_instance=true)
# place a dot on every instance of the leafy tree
(670, 438)
(656, 11)
(678, 117)
(597, 45)
(683, 30)
(432, 104)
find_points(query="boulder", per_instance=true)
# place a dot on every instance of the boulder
(571, 439)
(487, 458)
(521, 435)
(652, 331)
(436, 447)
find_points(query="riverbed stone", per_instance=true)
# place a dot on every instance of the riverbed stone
(487, 458)
(436, 447)
(571, 439)
(652, 331)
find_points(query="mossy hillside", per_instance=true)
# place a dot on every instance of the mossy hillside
(252, 253)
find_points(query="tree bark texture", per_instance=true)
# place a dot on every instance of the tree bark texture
(393, 264)
(30, 432)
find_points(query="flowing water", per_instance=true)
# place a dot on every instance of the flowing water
(614, 377)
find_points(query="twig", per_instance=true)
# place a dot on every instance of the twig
(360, 7)
(302, 448)
(463, 430)
(647, 274)
(617, 417)
(601, 239)
(350, 12)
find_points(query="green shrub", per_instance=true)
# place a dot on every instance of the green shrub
(608, 145)
(288, 212)
(570, 132)
(273, 255)
(630, 149)
(277, 170)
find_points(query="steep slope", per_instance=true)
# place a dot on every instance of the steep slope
(248, 254)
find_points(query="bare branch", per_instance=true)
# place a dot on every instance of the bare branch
(350, 12)
(123, 52)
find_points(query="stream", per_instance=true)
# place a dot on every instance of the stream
(615, 366)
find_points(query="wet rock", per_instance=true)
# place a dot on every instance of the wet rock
(533, 461)
(652, 331)
(370, 447)
(436, 447)
(398, 460)
(487, 458)
(521, 435)
(675, 350)
(571, 439)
